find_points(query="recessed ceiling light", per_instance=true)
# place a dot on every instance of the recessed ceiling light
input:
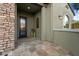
(28, 7)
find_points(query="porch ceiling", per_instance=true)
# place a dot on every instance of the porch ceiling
(23, 7)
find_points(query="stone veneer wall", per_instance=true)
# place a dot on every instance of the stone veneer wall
(7, 26)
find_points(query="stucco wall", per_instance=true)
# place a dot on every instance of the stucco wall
(46, 21)
(7, 26)
(38, 30)
(59, 9)
(68, 40)
(43, 23)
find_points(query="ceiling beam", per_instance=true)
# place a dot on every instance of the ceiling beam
(43, 4)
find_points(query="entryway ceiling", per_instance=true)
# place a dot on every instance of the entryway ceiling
(30, 8)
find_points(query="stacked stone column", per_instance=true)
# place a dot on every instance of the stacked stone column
(7, 26)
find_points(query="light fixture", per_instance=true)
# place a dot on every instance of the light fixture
(28, 7)
(60, 17)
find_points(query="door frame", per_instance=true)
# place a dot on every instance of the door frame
(25, 25)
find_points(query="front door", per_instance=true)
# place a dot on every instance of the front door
(23, 27)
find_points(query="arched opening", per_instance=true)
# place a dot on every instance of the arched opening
(66, 21)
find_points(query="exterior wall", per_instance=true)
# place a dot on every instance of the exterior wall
(46, 23)
(59, 9)
(38, 30)
(7, 26)
(50, 20)
(43, 23)
(68, 40)
(30, 26)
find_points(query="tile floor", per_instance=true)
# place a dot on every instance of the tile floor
(34, 47)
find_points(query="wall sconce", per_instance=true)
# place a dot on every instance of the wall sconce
(60, 17)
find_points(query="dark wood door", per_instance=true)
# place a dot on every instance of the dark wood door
(23, 27)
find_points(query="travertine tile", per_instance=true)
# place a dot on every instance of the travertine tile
(33, 47)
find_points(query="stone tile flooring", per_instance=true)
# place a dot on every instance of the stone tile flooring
(34, 47)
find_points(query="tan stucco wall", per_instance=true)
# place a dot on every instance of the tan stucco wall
(38, 30)
(68, 40)
(58, 9)
(46, 21)
(43, 24)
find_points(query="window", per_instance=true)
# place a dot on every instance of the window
(73, 24)
(66, 21)
(22, 22)
(37, 22)
(22, 27)
(75, 21)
